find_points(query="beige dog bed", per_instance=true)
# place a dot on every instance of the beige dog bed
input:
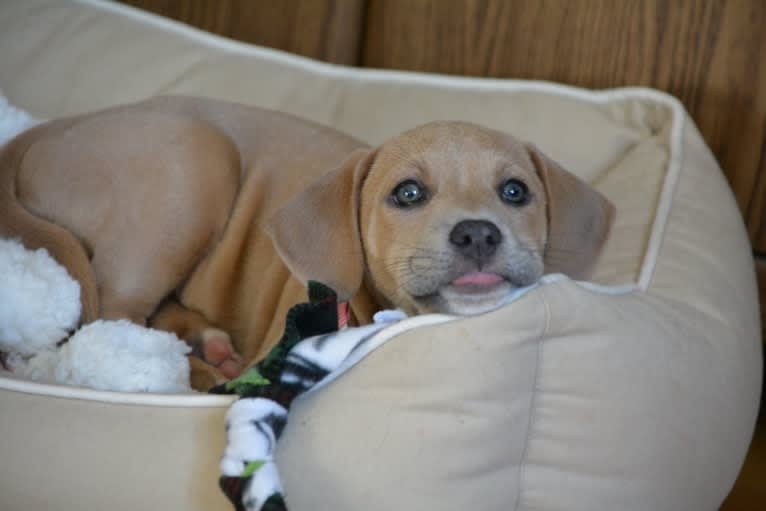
(637, 391)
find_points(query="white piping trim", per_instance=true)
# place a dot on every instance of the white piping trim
(191, 400)
(378, 340)
(624, 289)
(669, 186)
(648, 264)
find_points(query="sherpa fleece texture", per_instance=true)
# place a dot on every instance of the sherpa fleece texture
(40, 306)
(39, 301)
(114, 355)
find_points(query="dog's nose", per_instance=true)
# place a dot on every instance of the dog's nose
(476, 239)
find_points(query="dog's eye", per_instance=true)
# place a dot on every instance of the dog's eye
(514, 192)
(408, 193)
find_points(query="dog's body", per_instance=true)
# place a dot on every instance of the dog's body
(194, 213)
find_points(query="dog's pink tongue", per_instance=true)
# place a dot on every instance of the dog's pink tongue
(478, 279)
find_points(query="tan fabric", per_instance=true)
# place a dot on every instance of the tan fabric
(74, 454)
(639, 396)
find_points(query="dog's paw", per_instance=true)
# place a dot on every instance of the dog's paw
(216, 349)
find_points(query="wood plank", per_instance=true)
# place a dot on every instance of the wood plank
(709, 53)
(329, 30)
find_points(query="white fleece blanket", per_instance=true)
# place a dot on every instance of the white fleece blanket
(40, 307)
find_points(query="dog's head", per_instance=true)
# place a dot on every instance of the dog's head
(448, 217)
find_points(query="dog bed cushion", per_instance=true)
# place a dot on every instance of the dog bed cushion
(637, 390)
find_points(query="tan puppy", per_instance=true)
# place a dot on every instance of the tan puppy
(206, 218)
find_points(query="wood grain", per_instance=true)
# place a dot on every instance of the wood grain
(709, 53)
(329, 30)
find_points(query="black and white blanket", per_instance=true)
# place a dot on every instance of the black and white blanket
(314, 345)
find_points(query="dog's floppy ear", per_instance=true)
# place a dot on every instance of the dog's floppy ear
(579, 219)
(317, 231)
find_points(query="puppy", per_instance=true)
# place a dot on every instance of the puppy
(206, 218)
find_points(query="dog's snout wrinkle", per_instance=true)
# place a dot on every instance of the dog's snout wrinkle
(476, 239)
